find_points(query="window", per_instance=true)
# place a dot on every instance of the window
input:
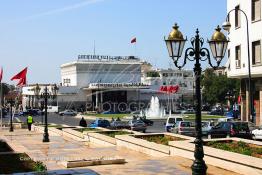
(66, 81)
(237, 17)
(238, 56)
(256, 10)
(256, 52)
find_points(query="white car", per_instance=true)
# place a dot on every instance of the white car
(68, 112)
(257, 133)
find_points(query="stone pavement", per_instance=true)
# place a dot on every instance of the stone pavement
(60, 148)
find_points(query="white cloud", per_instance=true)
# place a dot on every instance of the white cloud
(59, 10)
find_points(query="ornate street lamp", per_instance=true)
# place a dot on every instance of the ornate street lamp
(11, 129)
(218, 44)
(47, 95)
(226, 26)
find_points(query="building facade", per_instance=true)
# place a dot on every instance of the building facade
(104, 82)
(238, 53)
(184, 79)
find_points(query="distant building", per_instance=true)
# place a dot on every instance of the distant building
(237, 65)
(166, 77)
(101, 82)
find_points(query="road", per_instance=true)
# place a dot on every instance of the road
(158, 126)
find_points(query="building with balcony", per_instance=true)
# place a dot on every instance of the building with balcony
(237, 65)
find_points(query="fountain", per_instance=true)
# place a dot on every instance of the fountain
(155, 111)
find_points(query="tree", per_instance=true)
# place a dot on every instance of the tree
(4, 90)
(215, 87)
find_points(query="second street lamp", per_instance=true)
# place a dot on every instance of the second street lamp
(218, 44)
(226, 26)
(46, 95)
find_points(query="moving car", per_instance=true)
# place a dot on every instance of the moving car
(230, 129)
(184, 128)
(137, 125)
(100, 123)
(68, 112)
(146, 121)
(257, 133)
(171, 121)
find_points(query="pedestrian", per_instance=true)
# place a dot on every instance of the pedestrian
(29, 122)
(83, 122)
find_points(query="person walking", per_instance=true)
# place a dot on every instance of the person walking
(29, 122)
(83, 122)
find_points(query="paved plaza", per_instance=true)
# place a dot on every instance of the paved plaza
(65, 149)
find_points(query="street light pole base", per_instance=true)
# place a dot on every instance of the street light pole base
(11, 129)
(199, 168)
(46, 137)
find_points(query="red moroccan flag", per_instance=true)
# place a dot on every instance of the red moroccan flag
(1, 74)
(239, 99)
(133, 40)
(21, 76)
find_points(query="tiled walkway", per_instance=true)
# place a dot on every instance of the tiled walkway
(60, 148)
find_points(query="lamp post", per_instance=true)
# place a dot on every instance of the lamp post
(218, 44)
(46, 95)
(11, 129)
(226, 26)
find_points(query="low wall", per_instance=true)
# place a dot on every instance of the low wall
(101, 139)
(142, 146)
(224, 159)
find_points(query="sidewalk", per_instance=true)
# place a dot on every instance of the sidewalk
(60, 148)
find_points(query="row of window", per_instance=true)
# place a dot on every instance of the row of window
(176, 75)
(66, 81)
(255, 12)
(256, 54)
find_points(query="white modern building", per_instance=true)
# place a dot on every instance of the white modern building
(104, 82)
(237, 64)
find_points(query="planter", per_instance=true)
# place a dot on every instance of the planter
(94, 162)
(136, 143)
(224, 159)
(101, 139)
(18, 163)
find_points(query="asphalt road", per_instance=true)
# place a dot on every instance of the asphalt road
(158, 126)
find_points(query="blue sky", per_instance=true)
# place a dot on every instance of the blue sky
(44, 34)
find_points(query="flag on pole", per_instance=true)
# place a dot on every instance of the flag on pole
(21, 76)
(133, 40)
(1, 74)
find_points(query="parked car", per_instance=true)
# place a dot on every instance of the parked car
(119, 125)
(68, 112)
(27, 112)
(146, 121)
(137, 125)
(216, 112)
(184, 128)
(38, 111)
(230, 129)
(206, 126)
(52, 109)
(171, 121)
(257, 133)
(100, 123)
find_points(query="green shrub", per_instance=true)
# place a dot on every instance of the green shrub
(39, 166)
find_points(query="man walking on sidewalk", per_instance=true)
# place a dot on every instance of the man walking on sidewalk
(29, 121)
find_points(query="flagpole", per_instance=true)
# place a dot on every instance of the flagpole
(1, 105)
